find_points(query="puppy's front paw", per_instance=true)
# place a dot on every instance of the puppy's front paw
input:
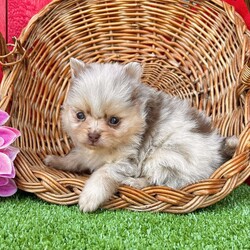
(97, 190)
(89, 202)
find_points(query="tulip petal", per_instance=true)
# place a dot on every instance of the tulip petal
(6, 165)
(14, 130)
(11, 152)
(8, 135)
(3, 117)
(3, 181)
(12, 173)
(8, 189)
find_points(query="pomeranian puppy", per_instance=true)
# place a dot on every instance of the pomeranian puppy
(128, 133)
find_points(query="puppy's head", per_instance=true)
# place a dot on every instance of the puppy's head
(101, 109)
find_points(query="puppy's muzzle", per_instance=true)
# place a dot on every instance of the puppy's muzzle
(94, 137)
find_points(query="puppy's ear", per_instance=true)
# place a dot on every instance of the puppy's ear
(76, 66)
(134, 70)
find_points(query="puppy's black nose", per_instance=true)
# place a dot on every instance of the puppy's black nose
(94, 136)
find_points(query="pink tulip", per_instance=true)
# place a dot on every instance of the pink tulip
(6, 167)
(8, 135)
(3, 117)
(7, 155)
(11, 152)
(7, 187)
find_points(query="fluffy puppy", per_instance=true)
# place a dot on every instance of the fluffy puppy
(128, 133)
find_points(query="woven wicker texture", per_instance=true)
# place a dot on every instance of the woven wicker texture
(193, 49)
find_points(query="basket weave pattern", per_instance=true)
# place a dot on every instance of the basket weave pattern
(192, 49)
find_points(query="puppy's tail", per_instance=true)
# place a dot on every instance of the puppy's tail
(228, 147)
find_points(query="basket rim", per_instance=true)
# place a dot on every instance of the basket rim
(25, 32)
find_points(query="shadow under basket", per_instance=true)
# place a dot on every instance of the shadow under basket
(197, 50)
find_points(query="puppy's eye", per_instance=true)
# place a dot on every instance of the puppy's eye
(113, 121)
(80, 116)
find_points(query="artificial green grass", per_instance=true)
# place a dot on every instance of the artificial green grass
(27, 222)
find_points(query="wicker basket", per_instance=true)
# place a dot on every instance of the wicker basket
(194, 49)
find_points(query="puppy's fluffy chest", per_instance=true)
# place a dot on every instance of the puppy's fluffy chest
(94, 159)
